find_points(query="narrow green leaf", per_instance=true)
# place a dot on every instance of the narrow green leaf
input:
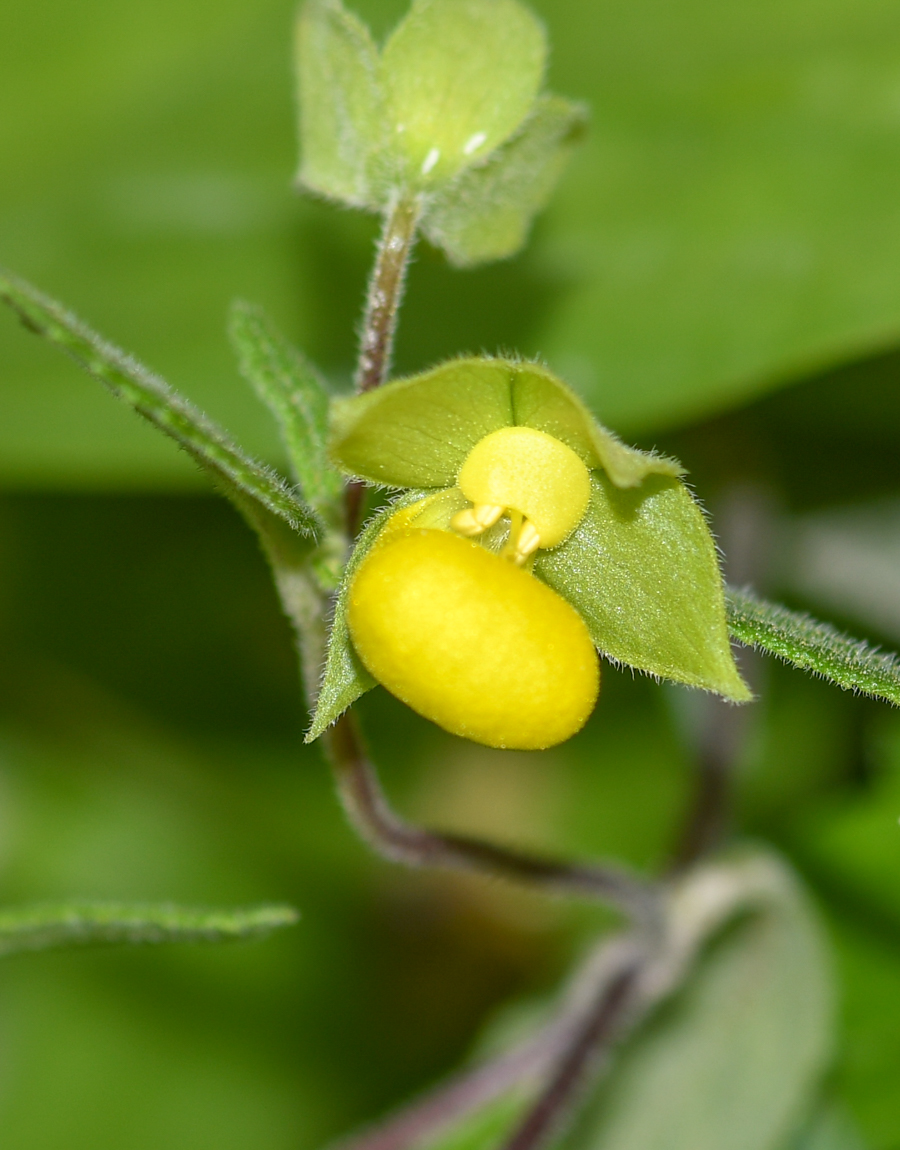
(59, 925)
(812, 646)
(460, 77)
(241, 478)
(642, 571)
(345, 678)
(734, 1062)
(296, 395)
(342, 118)
(417, 432)
(486, 213)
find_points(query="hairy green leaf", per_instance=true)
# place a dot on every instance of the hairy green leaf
(460, 76)
(342, 118)
(812, 646)
(641, 569)
(295, 393)
(486, 212)
(345, 678)
(68, 924)
(417, 432)
(732, 1064)
(241, 478)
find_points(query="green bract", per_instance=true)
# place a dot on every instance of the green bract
(640, 568)
(449, 112)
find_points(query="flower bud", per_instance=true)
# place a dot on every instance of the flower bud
(471, 641)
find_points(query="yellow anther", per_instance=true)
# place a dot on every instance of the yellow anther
(475, 520)
(522, 542)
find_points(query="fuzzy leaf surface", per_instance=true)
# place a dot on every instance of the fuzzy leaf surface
(61, 925)
(297, 396)
(345, 678)
(486, 213)
(460, 76)
(803, 642)
(641, 569)
(241, 478)
(342, 121)
(417, 432)
(734, 1062)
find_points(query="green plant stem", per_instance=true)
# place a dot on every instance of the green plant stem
(601, 1027)
(379, 325)
(392, 837)
(385, 294)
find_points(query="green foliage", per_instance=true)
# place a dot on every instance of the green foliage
(813, 646)
(241, 478)
(460, 77)
(451, 106)
(342, 117)
(485, 1128)
(486, 212)
(296, 395)
(690, 262)
(63, 925)
(417, 432)
(640, 256)
(345, 679)
(829, 1129)
(641, 569)
(734, 1062)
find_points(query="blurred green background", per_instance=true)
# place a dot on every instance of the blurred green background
(719, 274)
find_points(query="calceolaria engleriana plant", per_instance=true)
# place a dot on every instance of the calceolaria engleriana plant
(519, 541)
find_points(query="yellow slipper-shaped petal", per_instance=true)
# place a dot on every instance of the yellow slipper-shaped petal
(471, 641)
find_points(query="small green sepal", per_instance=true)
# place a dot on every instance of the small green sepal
(345, 679)
(417, 432)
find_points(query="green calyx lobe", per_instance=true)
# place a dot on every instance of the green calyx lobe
(417, 432)
(640, 567)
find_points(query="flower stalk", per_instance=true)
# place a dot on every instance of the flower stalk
(388, 279)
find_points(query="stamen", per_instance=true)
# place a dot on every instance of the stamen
(524, 540)
(477, 519)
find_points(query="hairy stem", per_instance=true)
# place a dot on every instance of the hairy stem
(376, 340)
(385, 294)
(395, 839)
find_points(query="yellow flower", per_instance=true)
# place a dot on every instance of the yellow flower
(529, 538)
(469, 638)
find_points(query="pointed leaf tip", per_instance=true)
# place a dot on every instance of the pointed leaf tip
(295, 394)
(642, 571)
(254, 488)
